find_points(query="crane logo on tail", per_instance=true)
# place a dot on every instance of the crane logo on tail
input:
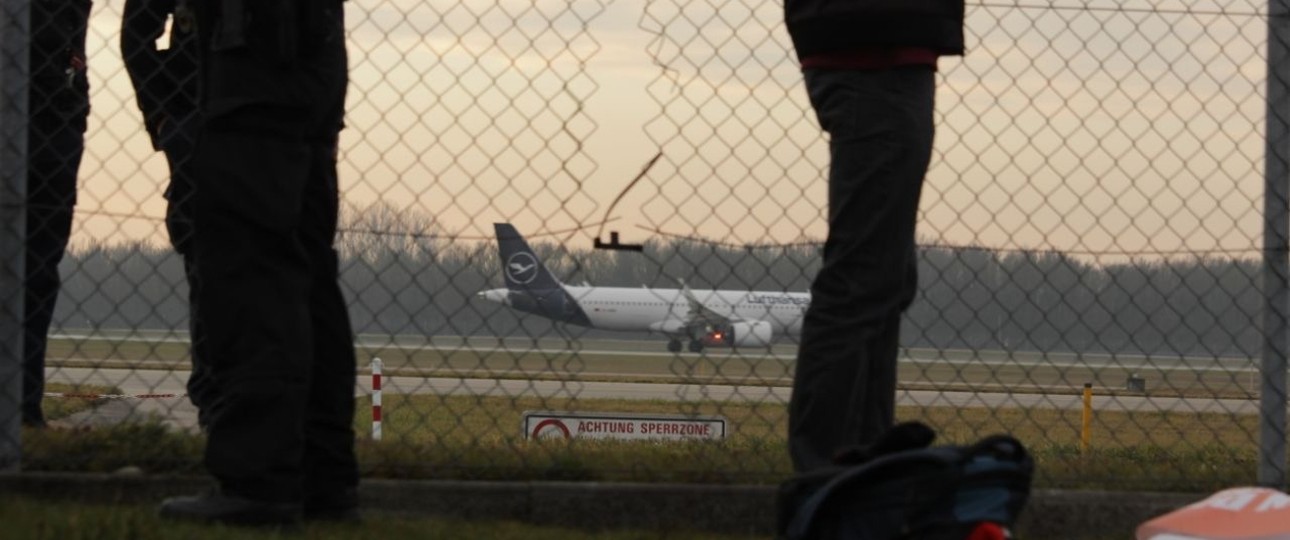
(521, 268)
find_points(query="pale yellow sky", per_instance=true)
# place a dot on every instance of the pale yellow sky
(1080, 130)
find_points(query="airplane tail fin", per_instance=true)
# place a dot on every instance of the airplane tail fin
(521, 266)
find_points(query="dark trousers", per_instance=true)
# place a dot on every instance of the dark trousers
(55, 146)
(880, 127)
(275, 327)
(277, 333)
(178, 139)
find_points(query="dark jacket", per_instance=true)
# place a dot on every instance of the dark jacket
(59, 83)
(830, 26)
(165, 80)
(273, 66)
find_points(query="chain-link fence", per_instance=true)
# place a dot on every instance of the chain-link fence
(1091, 217)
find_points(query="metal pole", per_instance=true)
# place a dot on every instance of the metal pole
(1276, 199)
(15, 43)
(1086, 428)
(376, 399)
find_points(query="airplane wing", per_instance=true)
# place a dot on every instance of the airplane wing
(701, 313)
(717, 325)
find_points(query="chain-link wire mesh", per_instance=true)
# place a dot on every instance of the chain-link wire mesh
(1090, 217)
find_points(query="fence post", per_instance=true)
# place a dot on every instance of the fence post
(1276, 198)
(1086, 425)
(376, 398)
(15, 22)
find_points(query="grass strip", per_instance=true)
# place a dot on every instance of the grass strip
(480, 438)
(35, 519)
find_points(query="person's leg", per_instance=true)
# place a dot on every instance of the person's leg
(55, 148)
(48, 232)
(255, 280)
(202, 390)
(873, 404)
(880, 142)
(178, 140)
(331, 468)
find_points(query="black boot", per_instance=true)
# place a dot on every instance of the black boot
(334, 506)
(217, 507)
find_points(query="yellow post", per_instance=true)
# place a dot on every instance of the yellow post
(1086, 432)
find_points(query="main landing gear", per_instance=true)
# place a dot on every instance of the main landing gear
(674, 345)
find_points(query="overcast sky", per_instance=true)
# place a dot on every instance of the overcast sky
(1104, 127)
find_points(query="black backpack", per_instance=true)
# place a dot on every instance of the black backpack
(902, 489)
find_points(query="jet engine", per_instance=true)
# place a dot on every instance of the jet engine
(740, 334)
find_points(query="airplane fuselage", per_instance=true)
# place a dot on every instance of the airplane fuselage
(663, 311)
(638, 309)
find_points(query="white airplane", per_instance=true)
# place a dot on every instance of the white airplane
(703, 318)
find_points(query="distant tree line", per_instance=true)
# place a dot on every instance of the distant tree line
(418, 283)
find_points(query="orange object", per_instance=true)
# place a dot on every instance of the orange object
(1245, 513)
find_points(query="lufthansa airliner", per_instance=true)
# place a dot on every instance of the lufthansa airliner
(697, 318)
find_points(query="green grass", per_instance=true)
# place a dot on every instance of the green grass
(34, 519)
(148, 445)
(479, 438)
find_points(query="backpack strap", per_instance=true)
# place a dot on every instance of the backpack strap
(1003, 447)
(939, 457)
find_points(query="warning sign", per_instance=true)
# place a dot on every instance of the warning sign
(596, 425)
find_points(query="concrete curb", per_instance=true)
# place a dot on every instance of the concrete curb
(727, 509)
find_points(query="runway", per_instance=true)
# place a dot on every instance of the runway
(641, 369)
(148, 362)
(179, 413)
(782, 352)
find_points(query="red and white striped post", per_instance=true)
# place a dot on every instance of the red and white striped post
(376, 399)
